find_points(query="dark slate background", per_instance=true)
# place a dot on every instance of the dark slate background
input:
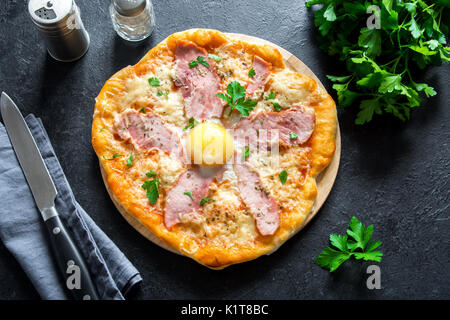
(392, 175)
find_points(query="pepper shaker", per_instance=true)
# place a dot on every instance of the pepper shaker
(133, 20)
(60, 25)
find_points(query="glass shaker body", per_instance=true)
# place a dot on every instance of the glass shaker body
(135, 27)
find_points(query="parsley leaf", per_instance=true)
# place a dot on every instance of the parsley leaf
(342, 248)
(161, 93)
(293, 136)
(200, 60)
(245, 107)
(370, 39)
(368, 108)
(338, 79)
(192, 124)
(151, 186)
(329, 13)
(205, 200)
(151, 173)
(193, 64)
(359, 233)
(270, 96)
(246, 153)
(382, 62)
(143, 110)
(283, 176)
(369, 256)
(276, 106)
(415, 29)
(154, 82)
(214, 57)
(251, 73)
(429, 91)
(113, 157)
(130, 160)
(390, 83)
(236, 91)
(235, 98)
(189, 194)
(423, 50)
(331, 258)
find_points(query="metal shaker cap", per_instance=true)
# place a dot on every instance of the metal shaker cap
(129, 8)
(49, 14)
(60, 25)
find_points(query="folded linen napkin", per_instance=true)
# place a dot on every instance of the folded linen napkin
(23, 232)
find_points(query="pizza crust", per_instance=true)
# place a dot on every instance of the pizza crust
(148, 220)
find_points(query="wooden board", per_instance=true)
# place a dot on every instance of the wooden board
(325, 179)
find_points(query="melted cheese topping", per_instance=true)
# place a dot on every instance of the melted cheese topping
(224, 223)
(270, 165)
(166, 101)
(289, 88)
(235, 64)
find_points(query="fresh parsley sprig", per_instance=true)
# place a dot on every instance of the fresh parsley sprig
(162, 93)
(200, 60)
(151, 173)
(130, 160)
(293, 135)
(381, 61)
(236, 99)
(152, 188)
(205, 200)
(270, 96)
(189, 194)
(245, 153)
(342, 248)
(113, 157)
(154, 82)
(191, 124)
(283, 176)
(276, 106)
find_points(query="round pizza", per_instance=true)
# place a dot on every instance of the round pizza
(214, 145)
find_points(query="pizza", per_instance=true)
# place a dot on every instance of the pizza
(214, 145)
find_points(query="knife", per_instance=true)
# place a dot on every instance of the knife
(69, 259)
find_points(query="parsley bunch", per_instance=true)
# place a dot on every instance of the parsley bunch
(411, 34)
(361, 247)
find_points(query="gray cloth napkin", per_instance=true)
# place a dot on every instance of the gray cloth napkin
(23, 232)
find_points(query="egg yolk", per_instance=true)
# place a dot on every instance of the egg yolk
(210, 144)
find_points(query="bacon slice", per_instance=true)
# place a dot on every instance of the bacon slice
(263, 208)
(178, 203)
(262, 70)
(147, 132)
(200, 84)
(297, 120)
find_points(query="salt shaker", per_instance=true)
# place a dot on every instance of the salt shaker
(60, 25)
(133, 20)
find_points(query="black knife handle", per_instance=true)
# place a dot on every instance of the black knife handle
(70, 261)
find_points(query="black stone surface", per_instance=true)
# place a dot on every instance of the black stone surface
(392, 175)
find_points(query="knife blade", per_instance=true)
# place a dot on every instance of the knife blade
(69, 259)
(30, 159)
